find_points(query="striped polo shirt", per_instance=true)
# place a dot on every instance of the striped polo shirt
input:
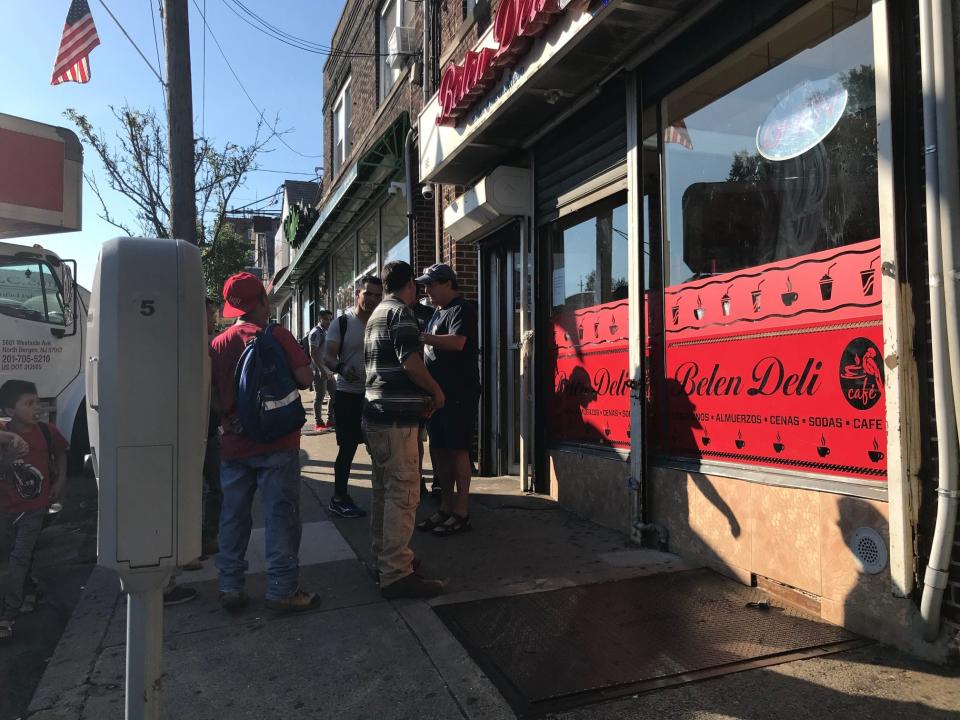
(392, 335)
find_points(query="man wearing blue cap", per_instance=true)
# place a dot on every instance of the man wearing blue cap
(451, 354)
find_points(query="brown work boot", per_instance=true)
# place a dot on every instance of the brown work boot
(413, 586)
(298, 602)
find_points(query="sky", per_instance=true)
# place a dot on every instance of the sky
(282, 80)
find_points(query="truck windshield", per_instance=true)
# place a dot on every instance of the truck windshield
(29, 290)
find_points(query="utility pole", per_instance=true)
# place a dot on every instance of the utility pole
(183, 208)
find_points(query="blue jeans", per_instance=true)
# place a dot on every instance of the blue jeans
(277, 475)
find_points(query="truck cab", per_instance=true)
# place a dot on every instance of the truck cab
(43, 315)
(43, 311)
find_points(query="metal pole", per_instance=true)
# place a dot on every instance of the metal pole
(144, 652)
(183, 208)
(525, 338)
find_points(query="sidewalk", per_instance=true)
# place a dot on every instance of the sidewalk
(359, 656)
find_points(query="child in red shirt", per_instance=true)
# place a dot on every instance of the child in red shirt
(30, 480)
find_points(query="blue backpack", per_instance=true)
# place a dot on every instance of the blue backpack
(268, 399)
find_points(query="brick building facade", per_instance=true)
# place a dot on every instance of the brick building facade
(615, 111)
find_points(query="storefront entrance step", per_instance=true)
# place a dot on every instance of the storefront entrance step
(564, 648)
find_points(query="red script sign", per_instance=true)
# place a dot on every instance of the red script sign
(516, 23)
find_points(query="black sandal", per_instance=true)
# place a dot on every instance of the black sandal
(453, 525)
(434, 521)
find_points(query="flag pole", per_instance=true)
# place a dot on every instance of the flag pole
(183, 208)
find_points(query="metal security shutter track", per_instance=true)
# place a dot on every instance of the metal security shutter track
(588, 143)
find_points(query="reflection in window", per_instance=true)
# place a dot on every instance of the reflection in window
(590, 259)
(343, 274)
(31, 291)
(393, 230)
(367, 247)
(775, 156)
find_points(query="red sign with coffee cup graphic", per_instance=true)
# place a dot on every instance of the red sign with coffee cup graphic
(590, 402)
(780, 365)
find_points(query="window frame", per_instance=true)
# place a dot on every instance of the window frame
(387, 77)
(792, 477)
(342, 124)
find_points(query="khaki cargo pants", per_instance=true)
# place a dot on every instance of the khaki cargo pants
(395, 452)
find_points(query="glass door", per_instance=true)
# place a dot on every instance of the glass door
(500, 419)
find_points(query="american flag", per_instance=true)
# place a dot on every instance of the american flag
(79, 38)
(677, 133)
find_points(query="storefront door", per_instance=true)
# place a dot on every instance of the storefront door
(500, 300)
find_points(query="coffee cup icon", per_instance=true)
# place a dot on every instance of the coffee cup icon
(789, 298)
(705, 439)
(778, 447)
(867, 280)
(875, 455)
(675, 311)
(755, 295)
(739, 442)
(725, 305)
(826, 287)
(823, 450)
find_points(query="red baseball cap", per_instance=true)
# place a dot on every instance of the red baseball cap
(242, 293)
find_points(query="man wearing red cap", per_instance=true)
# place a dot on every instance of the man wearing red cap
(247, 465)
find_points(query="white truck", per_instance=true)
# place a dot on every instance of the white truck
(43, 311)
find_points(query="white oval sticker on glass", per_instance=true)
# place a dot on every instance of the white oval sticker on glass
(803, 117)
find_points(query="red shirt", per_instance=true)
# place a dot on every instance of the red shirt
(225, 351)
(38, 458)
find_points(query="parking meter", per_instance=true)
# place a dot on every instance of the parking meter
(148, 385)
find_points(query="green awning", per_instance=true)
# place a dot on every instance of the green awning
(361, 181)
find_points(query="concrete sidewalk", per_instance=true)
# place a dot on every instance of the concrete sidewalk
(359, 656)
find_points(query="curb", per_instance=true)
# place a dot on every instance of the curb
(63, 689)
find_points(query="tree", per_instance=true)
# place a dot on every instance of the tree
(228, 254)
(136, 166)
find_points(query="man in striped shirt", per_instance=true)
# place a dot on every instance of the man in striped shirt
(399, 392)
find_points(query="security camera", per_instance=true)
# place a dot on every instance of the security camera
(396, 188)
(427, 191)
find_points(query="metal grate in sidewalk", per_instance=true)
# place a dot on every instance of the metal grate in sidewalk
(563, 648)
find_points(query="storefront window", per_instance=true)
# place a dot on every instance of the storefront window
(590, 403)
(393, 230)
(771, 299)
(367, 247)
(343, 275)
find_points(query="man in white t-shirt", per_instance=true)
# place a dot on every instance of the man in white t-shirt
(344, 354)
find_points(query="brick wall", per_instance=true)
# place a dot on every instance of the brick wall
(358, 31)
(458, 33)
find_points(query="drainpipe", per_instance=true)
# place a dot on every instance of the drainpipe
(940, 135)
(408, 159)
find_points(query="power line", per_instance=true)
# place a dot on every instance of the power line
(236, 77)
(285, 172)
(263, 26)
(156, 44)
(135, 46)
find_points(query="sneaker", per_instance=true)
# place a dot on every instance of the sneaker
(178, 595)
(298, 602)
(6, 629)
(413, 586)
(192, 566)
(435, 489)
(345, 508)
(319, 427)
(234, 600)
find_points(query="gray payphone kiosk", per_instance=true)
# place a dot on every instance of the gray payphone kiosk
(148, 385)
